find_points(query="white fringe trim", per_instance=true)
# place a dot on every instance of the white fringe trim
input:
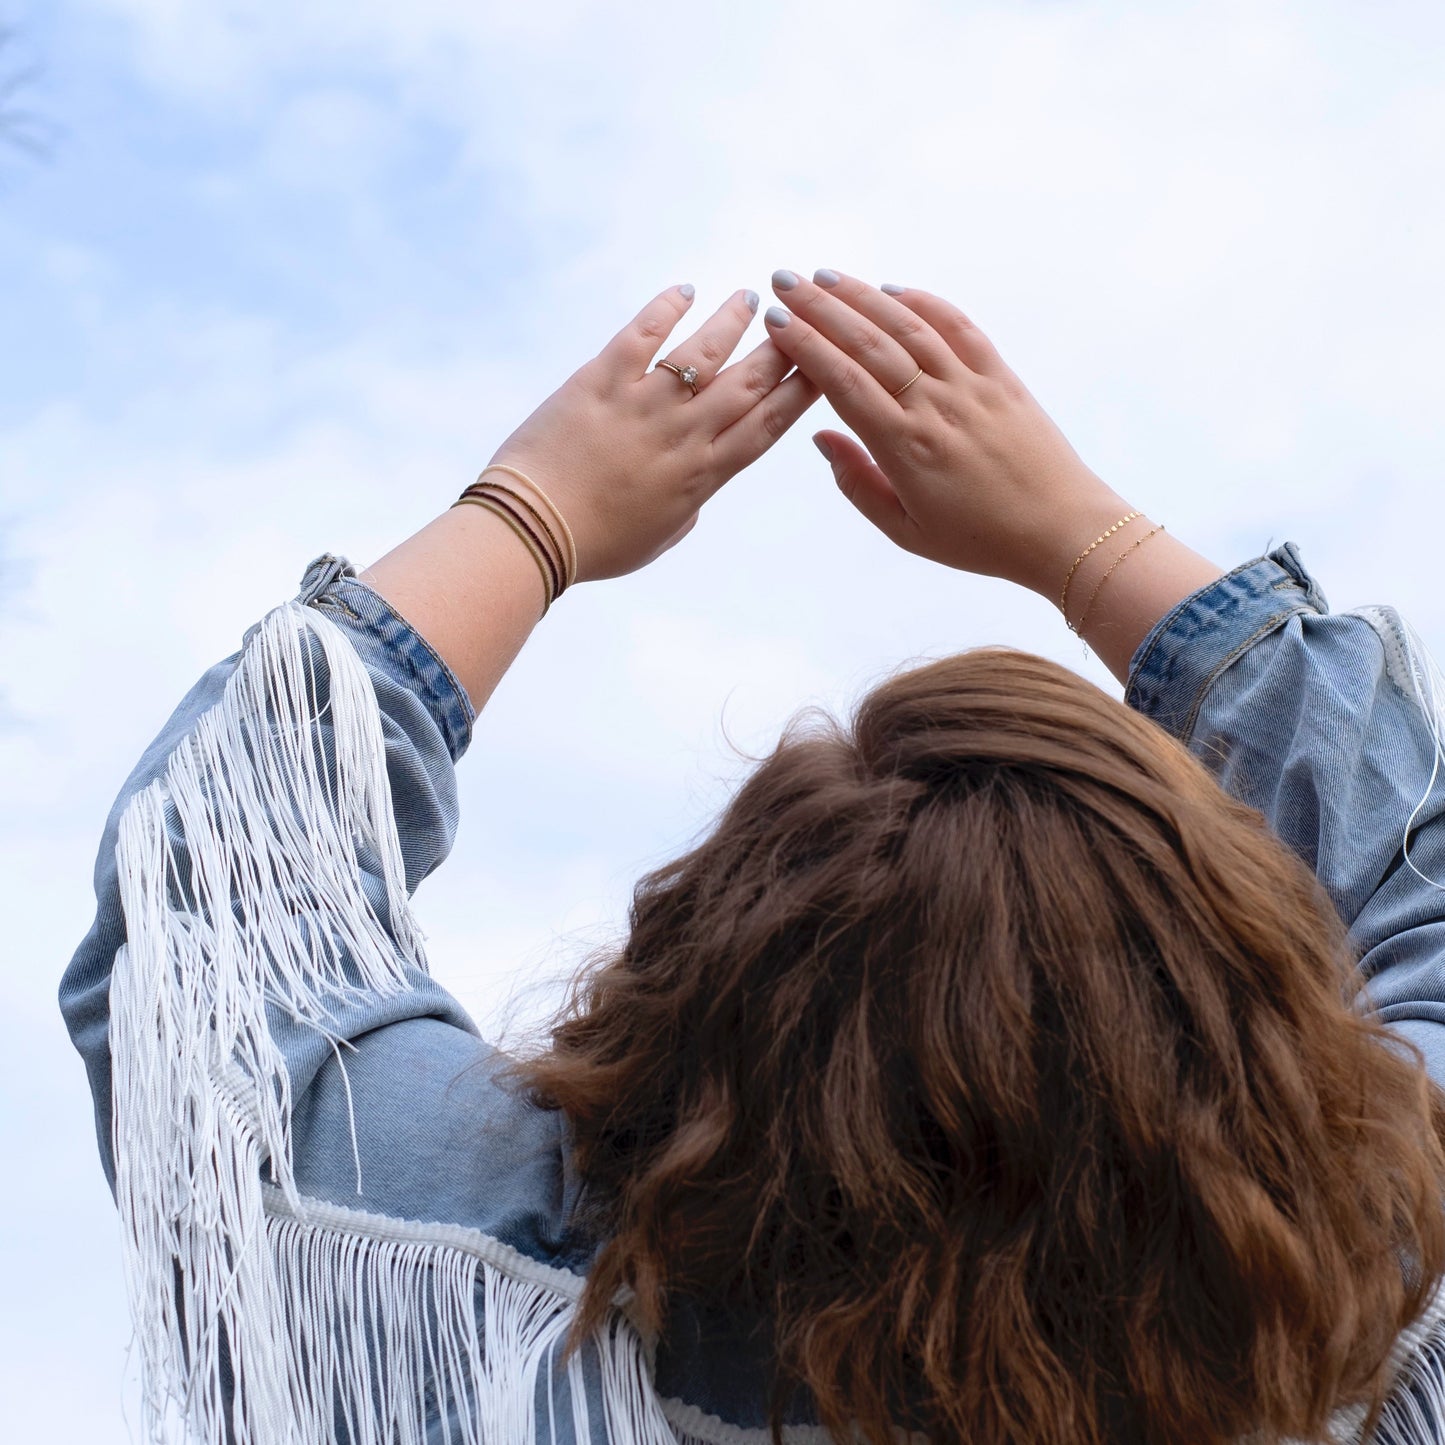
(693, 1426)
(1414, 1413)
(288, 1326)
(448, 1330)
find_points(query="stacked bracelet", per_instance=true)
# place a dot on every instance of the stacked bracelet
(550, 543)
(1078, 627)
(1102, 537)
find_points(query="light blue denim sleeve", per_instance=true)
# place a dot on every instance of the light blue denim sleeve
(426, 722)
(408, 1117)
(1314, 718)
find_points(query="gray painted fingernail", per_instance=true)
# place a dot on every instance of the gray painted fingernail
(784, 280)
(776, 316)
(688, 290)
(823, 447)
(751, 297)
(826, 277)
(891, 289)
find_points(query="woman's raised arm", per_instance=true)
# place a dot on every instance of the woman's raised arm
(1327, 723)
(252, 1000)
(626, 452)
(958, 463)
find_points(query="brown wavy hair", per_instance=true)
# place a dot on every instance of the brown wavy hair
(1005, 1065)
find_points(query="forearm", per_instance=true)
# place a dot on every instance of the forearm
(470, 588)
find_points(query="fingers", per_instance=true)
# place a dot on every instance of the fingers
(712, 343)
(881, 355)
(629, 354)
(862, 481)
(855, 393)
(963, 338)
(742, 386)
(908, 328)
(753, 433)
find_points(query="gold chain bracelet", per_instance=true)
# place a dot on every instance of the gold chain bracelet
(1089, 605)
(1102, 537)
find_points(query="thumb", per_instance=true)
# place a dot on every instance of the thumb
(862, 481)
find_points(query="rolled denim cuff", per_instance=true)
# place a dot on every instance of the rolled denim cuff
(1188, 648)
(384, 638)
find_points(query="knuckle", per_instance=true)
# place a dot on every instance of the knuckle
(909, 326)
(867, 342)
(957, 413)
(844, 382)
(999, 393)
(652, 327)
(711, 349)
(918, 447)
(957, 335)
(759, 381)
(773, 422)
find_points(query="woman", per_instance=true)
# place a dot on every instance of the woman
(991, 1072)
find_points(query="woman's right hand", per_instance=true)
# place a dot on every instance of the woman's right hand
(965, 467)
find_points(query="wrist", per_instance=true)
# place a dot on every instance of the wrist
(468, 585)
(1066, 555)
(1131, 588)
(1077, 585)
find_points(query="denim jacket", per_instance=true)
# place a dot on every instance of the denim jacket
(339, 1224)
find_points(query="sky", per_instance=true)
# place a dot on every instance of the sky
(282, 277)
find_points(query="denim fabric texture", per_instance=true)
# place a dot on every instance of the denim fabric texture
(1310, 717)
(1313, 718)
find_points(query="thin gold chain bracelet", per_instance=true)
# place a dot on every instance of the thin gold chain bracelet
(1099, 586)
(1102, 537)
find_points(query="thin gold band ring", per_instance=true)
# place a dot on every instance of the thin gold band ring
(907, 383)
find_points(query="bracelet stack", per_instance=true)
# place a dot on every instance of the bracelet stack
(527, 513)
(1078, 627)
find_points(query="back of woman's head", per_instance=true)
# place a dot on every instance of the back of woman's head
(1007, 1067)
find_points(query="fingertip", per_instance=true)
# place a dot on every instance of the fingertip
(776, 317)
(820, 441)
(890, 288)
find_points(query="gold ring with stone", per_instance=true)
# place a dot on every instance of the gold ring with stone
(686, 374)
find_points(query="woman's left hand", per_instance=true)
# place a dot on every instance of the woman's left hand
(629, 454)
